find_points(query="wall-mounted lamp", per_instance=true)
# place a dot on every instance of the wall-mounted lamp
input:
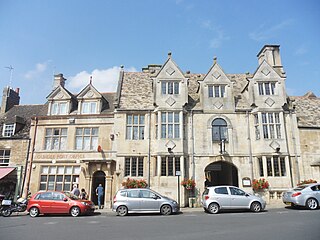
(112, 137)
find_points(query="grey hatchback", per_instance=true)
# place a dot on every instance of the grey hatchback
(143, 200)
(217, 198)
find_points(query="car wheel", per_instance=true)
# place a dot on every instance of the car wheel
(75, 211)
(34, 212)
(122, 211)
(312, 204)
(6, 212)
(165, 210)
(213, 208)
(255, 207)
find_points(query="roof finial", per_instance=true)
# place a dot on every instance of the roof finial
(90, 79)
(169, 54)
(214, 59)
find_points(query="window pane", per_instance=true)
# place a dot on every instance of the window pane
(276, 166)
(163, 167)
(176, 88)
(222, 91)
(170, 166)
(134, 167)
(129, 132)
(79, 143)
(68, 170)
(261, 92)
(127, 167)
(135, 133)
(269, 167)
(135, 119)
(86, 143)
(260, 167)
(163, 87)
(79, 131)
(170, 117)
(267, 88)
(170, 87)
(176, 131)
(163, 131)
(176, 117)
(210, 91)
(141, 121)
(170, 131)
(141, 133)
(94, 143)
(60, 170)
(283, 167)
(216, 91)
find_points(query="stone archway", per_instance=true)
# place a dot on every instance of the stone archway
(97, 178)
(221, 173)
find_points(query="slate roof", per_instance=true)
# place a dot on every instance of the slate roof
(137, 94)
(21, 114)
(307, 110)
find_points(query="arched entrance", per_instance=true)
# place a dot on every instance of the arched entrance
(97, 178)
(221, 173)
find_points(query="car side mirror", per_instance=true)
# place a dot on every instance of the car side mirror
(155, 197)
(65, 199)
(247, 195)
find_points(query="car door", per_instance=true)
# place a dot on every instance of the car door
(149, 201)
(221, 196)
(59, 203)
(134, 200)
(44, 202)
(316, 192)
(239, 199)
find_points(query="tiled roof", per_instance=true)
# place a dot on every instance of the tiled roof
(22, 114)
(307, 110)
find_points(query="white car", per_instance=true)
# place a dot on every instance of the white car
(218, 198)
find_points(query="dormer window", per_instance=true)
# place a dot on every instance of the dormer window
(89, 108)
(169, 87)
(8, 130)
(59, 108)
(267, 88)
(217, 91)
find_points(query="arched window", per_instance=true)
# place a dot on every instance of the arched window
(219, 130)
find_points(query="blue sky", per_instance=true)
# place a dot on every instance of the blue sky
(82, 38)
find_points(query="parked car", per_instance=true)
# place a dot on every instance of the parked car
(54, 202)
(306, 195)
(143, 200)
(218, 198)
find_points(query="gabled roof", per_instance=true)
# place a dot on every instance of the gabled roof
(60, 89)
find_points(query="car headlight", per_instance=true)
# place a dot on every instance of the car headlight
(174, 202)
(85, 203)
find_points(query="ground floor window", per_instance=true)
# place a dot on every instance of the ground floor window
(169, 166)
(133, 166)
(275, 166)
(59, 178)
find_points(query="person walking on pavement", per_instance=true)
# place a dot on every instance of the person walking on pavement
(75, 190)
(99, 192)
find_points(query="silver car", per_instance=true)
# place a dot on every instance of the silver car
(218, 198)
(143, 200)
(306, 195)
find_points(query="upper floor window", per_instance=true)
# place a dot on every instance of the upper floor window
(86, 138)
(8, 130)
(135, 127)
(56, 139)
(133, 166)
(217, 91)
(89, 108)
(169, 166)
(59, 108)
(170, 125)
(271, 125)
(170, 87)
(219, 130)
(267, 88)
(4, 157)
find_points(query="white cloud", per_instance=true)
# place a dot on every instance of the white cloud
(105, 80)
(219, 37)
(266, 32)
(301, 50)
(39, 69)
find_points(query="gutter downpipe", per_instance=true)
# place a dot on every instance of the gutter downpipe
(250, 146)
(192, 151)
(149, 150)
(295, 148)
(27, 187)
(25, 168)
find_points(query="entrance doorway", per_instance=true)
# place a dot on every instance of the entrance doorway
(221, 173)
(97, 178)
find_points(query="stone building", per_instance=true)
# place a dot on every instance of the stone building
(164, 125)
(14, 141)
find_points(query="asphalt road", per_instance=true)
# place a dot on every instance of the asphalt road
(284, 223)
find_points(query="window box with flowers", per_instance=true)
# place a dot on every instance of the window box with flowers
(134, 183)
(260, 184)
(307, 182)
(188, 184)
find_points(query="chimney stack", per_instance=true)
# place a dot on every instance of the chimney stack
(9, 99)
(59, 80)
(271, 54)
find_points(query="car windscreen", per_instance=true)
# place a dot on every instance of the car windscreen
(70, 195)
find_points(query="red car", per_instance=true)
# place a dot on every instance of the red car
(54, 202)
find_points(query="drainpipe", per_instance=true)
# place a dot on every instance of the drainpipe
(25, 168)
(149, 145)
(295, 148)
(287, 144)
(29, 169)
(192, 145)
(250, 147)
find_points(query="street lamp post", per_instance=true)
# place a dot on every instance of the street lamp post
(178, 173)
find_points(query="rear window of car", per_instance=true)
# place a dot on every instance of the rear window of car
(205, 192)
(221, 190)
(299, 188)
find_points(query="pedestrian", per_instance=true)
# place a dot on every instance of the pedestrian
(99, 192)
(75, 190)
(83, 194)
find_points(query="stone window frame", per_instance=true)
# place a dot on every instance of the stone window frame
(271, 125)
(223, 130)
(56, 135)
(54, 176)
(169, 165)
(89, 135)
(267, 88)
(57, 106)
(217, 91)
(171, 87)
(5, 157)
(92, 107)
(272, 166)
(135, 126)
(170, 127)
(133, 166)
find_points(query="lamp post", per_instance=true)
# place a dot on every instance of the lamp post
(178, 173)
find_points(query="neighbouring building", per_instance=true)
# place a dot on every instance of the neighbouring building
(164, 125)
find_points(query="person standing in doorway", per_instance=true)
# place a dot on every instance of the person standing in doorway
(99, 192)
